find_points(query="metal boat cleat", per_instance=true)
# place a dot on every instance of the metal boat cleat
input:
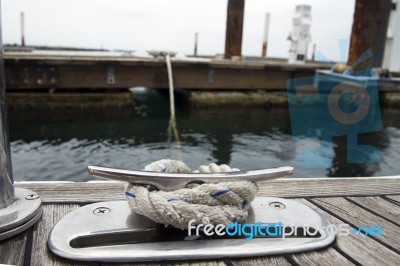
(112, 232)
(172, 181)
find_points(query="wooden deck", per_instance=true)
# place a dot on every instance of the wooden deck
(356, 201)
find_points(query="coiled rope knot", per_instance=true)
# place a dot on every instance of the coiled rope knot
(219, 203)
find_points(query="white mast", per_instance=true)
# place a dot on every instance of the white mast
(300, 35)
(391, 59)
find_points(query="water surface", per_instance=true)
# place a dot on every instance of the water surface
(58, 145)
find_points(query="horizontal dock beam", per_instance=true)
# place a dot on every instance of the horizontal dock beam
(32, 71)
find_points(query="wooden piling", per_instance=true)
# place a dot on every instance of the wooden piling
(369, 31)
(22, 29)
(265, 37)
(234, 28)
(314, 50)
(196, 38)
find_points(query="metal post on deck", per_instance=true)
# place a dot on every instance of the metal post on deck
(6, 176)
(234, 29)
(371, 18)
(19, 208)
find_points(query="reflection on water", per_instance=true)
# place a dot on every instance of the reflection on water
(58, 145)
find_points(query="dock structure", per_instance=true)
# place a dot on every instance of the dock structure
(355, 201)
(29, 71)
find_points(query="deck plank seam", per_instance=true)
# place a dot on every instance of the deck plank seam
(390, 200)
(290, 259)
(372, 211)
(344, 254)
(228, 262)
(353, 225)
(28, 247)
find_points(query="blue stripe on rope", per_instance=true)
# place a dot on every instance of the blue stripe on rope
(172, 199)
(219, 193)
(130, 194)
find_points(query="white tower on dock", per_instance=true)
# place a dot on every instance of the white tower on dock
(300, 35)
(391, 59)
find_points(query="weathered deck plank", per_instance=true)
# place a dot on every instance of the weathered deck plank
(71, 192)
(197, 263)
(284, 187)
(379, 206)
(130, 264)
(395, 198)
(40, 252)
(357, 217)
(359, 247)
(330, 187)
(12, 251)
(272, 260)
(327, 256)
(323, 257)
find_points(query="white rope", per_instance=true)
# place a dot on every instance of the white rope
(171, 87)
(220, 203)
